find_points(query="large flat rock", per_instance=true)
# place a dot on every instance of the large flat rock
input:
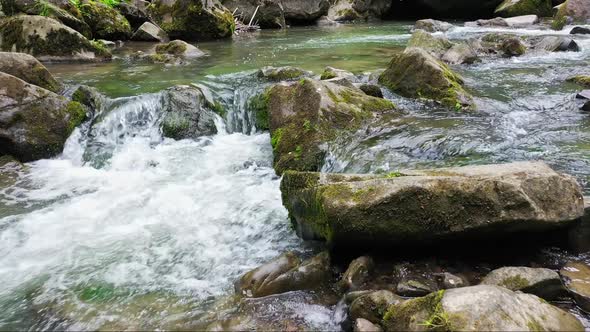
(424, 206)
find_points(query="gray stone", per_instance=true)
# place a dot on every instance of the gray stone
(373, 305)
(363, 325)
(542, 282)
(187, 114)
(436, 45)
(430, 25)
(413, 288)
(448, 280)
(282, 73)
(557, 44)
(28, 69)
(358, 273)
(522, 21)
(304, 11)
(270, 14)
(150, 32)
(460, 54)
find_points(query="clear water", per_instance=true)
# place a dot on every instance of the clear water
(130, 230)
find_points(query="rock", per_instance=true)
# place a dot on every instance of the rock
(436, 45)
(150, 32)
(351, 296)
(193, 19)
(577, 10)
(104, 21)
(179, 48)
(187, 113)
(304, 11)
(584, 94)
(331, 72)
(10, 170)
(371, 90)
(270, 14)
(358, 273)
(460, 54)
(28, 69)
(34, 122)
(413, 288)
(134, 11)
(580, 80)
(522, 21)
(586, 106)
(479, 308)
(342, 82)
(417, 74)
(448, 280)
(494, 22)
(510, 8)
(363, 325)
(352, 10)
(305, 117)
(90, 98)
(413, 207)
(580, 31)
(286, 73)
(48, 40)
(285, 273)
(542, 282)
(373, 305)
(557, 44)
(430, 25)
(576, 277)
(513, 47)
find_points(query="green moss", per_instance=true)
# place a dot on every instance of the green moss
(105, 21)
(175, 127)
(328, 74)
(259, 106)
(173, 47)
(559, 22)
(533, 325)
(580, 80)
(219, 109)
(276, 137)
(76, 113)
(511, 8)
(392, 175)
(100, 48)
(515, 282)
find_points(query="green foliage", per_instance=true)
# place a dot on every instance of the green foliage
(392, 175)
(440, 321)
(276, 138)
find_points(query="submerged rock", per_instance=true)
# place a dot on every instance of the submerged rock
(188, 113)
(269, 13)
(542, 282)
(372, 306)
(150, 32)
(576, 277)
(285, 273)
(510, 8)
(34, 122)
(193, 19)
(417, 74)
(305, 11)
(557, 44)
(358, 273)
(179, 48)
(28, 69)
(430, 25)
(285, 73)
(48, 40)
(425, 206)
(479, 308)
(105, 21)
(305, 117)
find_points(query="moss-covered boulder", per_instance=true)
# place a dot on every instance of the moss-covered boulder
(269, 13)
(415, 73)
(373, 305)
(105, 21)
(352, 10)
(542, 282)
(576, 277)
(193, 19)
(34, 122)
(510, 8)
(581, 80)
(286, 73)
(305, 117)
(479, 308)
(577, 10)
(513, 47)
(28, 69)
(285, 273)
(305, 11)
(436, 45)
(179, 48)
(331, 72)
(48, 39)
(427, 206)
(188, 113)
(430, 25)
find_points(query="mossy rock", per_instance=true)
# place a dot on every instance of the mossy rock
(36, 121)
(179, 48)
(415, 73)
(437, 45)
(28, 69)
(286, 73)
(511, 8)
(48, 39)
(193, 19)
(542, 282)
(577, 10)
(105, 22)
(188, 113)
(581, 80)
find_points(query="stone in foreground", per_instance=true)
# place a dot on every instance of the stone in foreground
(424, 206)
(542, 282)
(576, 276)
(28, 69)
(479, 308)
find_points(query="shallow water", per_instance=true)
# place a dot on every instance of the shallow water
(127, 229)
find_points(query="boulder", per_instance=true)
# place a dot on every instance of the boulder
(493, 22)
(437, 45)
(307, 116)
(179, 48)
(417, 74)
(414, 288)
(34, 122)
(90, 98)
(304, 11)
(48, 40)
(352, 10)
(285, 273)
(358, 273)
(460, 54)
(363, 325)
(270, 14)
(522, 21)
(193, 20)
(557, 44)
(426, 206)
(286, 73)
(371, 90)
(331, 72)
(28, 69)
(430, 25)
(479, 308)
(544, 283)
(135, 11)
(188, 113)
(513, 47)
(576, 277)
(105, 21)
(580, 31)
(509, 8)
(581, 80)
(577, 10)
(150, 32)
(372, 306)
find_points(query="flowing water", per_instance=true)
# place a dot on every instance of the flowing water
(129, 230)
